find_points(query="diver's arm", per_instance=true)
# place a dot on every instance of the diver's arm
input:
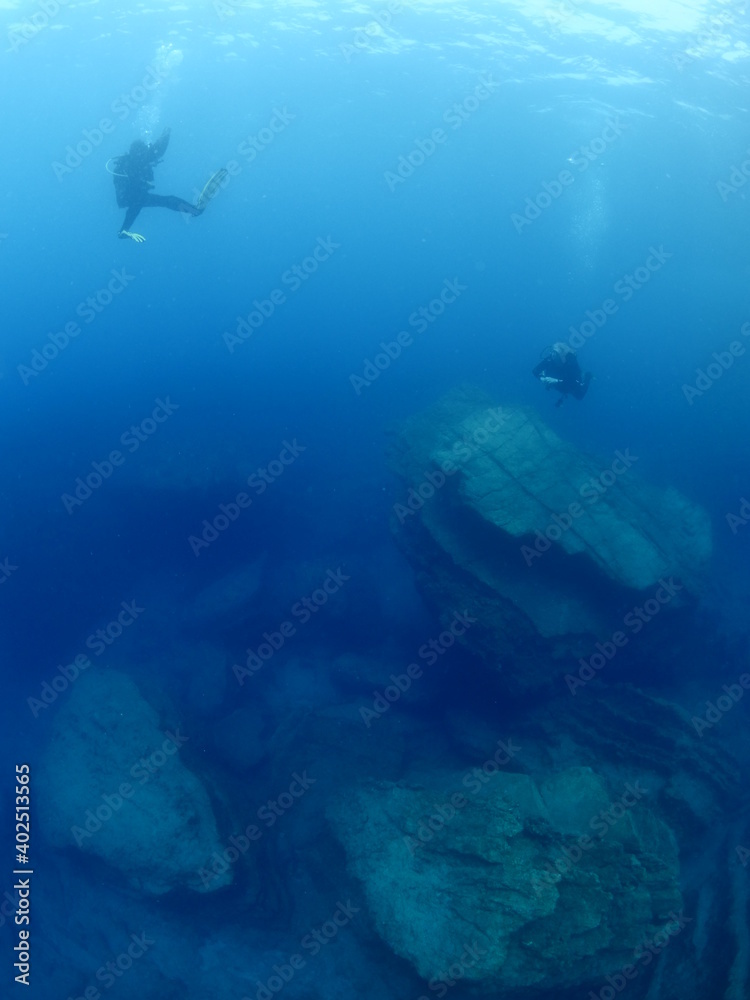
(159, 148)
(549, 371)
(119, 165)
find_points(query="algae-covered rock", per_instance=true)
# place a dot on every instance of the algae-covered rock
(113, 784)
(526, 886)
(543, 545)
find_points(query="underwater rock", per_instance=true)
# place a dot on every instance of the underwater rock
(547, 548)
(512, 886)
(113, 785)
(696, 780)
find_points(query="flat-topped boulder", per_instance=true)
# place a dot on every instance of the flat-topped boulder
(543, 544)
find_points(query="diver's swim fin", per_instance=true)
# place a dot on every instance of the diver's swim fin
(212, 188)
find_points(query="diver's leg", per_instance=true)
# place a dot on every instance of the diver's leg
(172, 202)
(130, 216)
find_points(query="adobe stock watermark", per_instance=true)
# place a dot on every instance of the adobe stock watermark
(268, 814)
(112, 802)
(600, 824)
(258, 481)
(8, 907)
(419, 321)
(461, 451)
(716, 710)
(131, 440)
(563, 10)
(474, 781)
(634, 621)
(590, 492)
(712, 35)
(643, 955)
(582, 158)
(6, 570)
(114, 969)
(302, 610)
(20, 34)
(430, 652)
(227, 8)
(293, 279)
(722, 362)
(455, 117)
(380, 22)
(249, 149)
(87, 310)
(313, 943)
(456, 971)
(98, 642)
(741, 518)
(122, 108)
(738, 178)
(625, 288)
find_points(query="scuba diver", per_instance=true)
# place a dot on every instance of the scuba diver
(133, 174)
(559, 369)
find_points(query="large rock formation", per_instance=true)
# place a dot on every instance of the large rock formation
(512, 885)
(113, 785)
(549, 549)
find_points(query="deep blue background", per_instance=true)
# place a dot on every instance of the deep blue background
(324, 176)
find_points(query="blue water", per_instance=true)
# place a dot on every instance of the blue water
(652, 101)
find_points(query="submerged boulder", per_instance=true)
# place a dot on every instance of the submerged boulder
(512, 885)
(112, 784)
(546, 547)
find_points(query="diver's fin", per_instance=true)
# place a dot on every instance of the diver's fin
(212, 188)
(136, 237)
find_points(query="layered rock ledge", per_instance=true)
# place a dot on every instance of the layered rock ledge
(548, 548)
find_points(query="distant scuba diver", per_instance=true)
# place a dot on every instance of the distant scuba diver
(559, 369)
(133, 175)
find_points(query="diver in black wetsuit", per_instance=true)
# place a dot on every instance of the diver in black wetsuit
(133, 175)
(560, 370)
